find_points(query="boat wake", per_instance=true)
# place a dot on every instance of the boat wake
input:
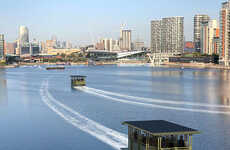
(151, 100)
(109, 136)
(131, 100)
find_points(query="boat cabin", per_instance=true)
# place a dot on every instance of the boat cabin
(78, 80)
(159, 135)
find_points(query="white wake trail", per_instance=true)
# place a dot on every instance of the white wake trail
(156, 100)
(152, 105)
(111, 137)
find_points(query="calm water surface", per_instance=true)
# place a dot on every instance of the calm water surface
(39, 110)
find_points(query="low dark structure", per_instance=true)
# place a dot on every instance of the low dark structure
(202, 59)
(159, 135)
(55, 68)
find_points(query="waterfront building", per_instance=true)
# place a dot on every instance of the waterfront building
(224, 34)
(208, 37)
(167, 35)
(139, 45)
(125, 39)
(2, 46)
(50, 44)
(25, 50)
(69, 45)
(34, 48)
(198, 20)
(10, 48)
(62, 51)
(189, 45)
(204, 38)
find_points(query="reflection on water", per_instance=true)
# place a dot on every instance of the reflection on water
(224, 87)
(3, 88)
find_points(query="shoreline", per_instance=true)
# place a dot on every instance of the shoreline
(168, 64)
(197, 66)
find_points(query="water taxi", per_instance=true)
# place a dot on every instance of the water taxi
(78, 81)
(55, 68)
(158, 135)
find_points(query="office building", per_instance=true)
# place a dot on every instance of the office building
(167, 35)
(125, 40)
(23, 35)
(198, 20)
(2, 46)
(224, 34)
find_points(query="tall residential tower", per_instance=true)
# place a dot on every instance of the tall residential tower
(125, 40)
(224, 34)
(2, 43)
(167, 35)
(198, 21)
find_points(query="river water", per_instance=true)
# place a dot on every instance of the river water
(39, 110)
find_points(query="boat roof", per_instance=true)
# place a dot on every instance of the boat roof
(160, 127)
(77, 76)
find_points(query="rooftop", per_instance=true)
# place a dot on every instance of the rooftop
(160, 127)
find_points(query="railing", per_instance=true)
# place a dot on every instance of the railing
(176, 148)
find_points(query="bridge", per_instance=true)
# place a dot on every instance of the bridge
(160, 58)
(128, 54)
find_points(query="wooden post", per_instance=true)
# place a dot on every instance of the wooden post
(147, 141)
(160, 139)
(139, 139)
(190, 142)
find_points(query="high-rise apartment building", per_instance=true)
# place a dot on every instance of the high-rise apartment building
(2, 43)
(204, 38)
(198, 20)
(125, 40)
(167, 35)
(224, 34)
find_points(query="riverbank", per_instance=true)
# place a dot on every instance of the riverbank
(196, 65)
(8, 66)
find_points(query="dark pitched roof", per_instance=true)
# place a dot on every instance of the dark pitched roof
(161, 127)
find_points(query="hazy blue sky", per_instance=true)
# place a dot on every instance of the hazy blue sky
(85, 21)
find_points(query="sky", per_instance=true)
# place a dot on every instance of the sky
(86, 21)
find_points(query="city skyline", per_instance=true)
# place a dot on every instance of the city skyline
(84, 22)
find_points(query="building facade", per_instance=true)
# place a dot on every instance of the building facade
(2, 46)
(125, 40)
(224, 34)
(10, 48)
(204, 38)
(198, 20)
(23, 35)
(167, 35)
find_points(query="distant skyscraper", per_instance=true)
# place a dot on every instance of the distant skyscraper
(2, 43)
(224, 34)
(125, 40)
(198, 20)
(23, 35)
(167, 35)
